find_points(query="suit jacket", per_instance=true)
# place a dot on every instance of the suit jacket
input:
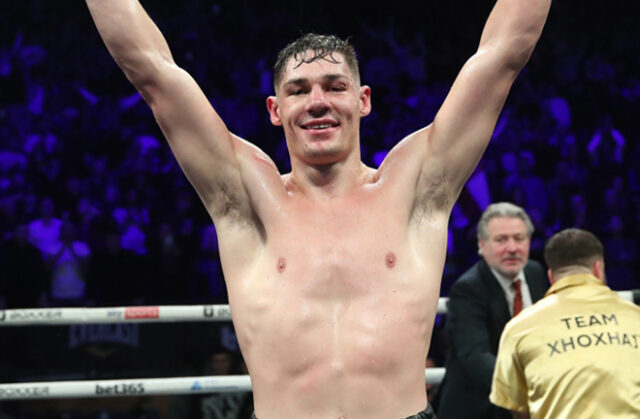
(477, 313)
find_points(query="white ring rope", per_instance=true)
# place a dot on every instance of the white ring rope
(145, 386)
(138, 314)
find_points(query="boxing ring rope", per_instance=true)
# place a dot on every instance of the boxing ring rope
(144, 386)
(136, 314)
(147, 386)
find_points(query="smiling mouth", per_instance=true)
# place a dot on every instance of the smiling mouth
(318, 126)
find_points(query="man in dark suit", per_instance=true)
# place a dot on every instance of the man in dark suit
(481, 302)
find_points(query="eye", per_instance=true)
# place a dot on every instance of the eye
(295, 90)
(338, 88)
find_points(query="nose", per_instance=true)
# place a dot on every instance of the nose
(512, 246)
(318, 103)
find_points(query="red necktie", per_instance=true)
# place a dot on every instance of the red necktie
(517, 300)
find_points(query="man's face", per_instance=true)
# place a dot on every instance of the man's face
(507, 247)
(319, 106)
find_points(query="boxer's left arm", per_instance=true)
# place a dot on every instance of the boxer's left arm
(464, 124)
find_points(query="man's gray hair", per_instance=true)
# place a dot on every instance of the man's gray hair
(502, 209)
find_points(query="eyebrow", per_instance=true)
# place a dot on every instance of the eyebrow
(327, 77)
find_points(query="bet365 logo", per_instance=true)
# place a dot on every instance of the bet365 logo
(119, 389)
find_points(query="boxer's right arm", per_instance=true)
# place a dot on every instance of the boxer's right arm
(201, 142)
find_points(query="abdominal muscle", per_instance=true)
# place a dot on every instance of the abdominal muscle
(325, 338)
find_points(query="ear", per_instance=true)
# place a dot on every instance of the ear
(274, 114)
(598, 270)
(480, 246)
(365, 100)
(550, 275)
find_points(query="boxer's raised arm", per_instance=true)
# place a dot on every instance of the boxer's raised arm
(202, 144)
(464, 124)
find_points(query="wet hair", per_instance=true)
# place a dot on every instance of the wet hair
(322, 47)
(572, 247)
(502, 209)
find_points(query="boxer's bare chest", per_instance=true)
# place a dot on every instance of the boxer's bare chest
(352, 252)
(357, 238)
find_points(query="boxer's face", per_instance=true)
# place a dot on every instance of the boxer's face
(319, 105)
(507, 247)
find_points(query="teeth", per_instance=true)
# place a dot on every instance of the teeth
(320, 126)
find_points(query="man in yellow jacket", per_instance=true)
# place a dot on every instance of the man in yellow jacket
(576, 352)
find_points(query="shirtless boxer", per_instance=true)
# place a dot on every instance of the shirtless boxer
(333, 270)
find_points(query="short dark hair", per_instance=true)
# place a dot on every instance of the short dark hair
(572, 247)
(322, 46)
